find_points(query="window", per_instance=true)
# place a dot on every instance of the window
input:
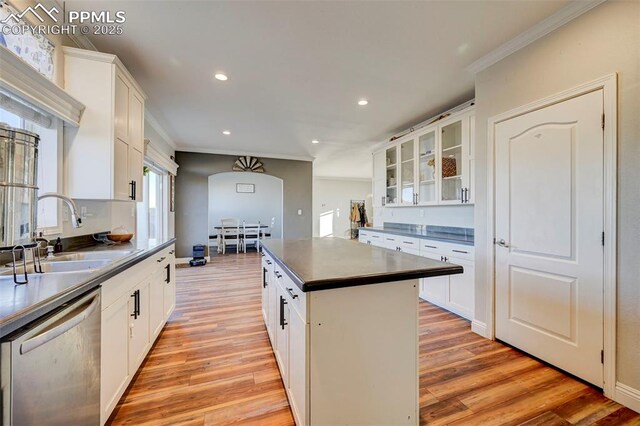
(49, 166)
(151, 209)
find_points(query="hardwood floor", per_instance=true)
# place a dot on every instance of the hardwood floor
(213, 365)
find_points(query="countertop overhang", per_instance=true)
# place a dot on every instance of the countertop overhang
(22, 304)
(328, 263)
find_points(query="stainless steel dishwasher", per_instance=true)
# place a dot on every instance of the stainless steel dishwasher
(50, 371)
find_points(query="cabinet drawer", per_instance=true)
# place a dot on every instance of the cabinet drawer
(296, 298)
(460, 252)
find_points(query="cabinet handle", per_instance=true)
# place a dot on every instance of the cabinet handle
(278, 274)
(168, 268)
(136, 304)
(264, 277)
(283, 322)
(432, 247)
(268, 262)
(466, 195)
(161, 259)
(291, 293)
(172, 251)
(132, 194)
(262, 254)
(460, 251)
(462, 195)
(384, 200)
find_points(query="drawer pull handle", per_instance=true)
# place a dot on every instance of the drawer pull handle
(172, 251)
(161, 259)
(278, 275)
(291, 293)
(460, 251)
(268, 262)
(433, 247)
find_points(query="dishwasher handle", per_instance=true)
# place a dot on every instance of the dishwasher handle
(49, 335)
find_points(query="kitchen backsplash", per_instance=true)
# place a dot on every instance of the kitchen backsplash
(459, 216)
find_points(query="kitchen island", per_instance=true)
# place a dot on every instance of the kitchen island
(343, 322)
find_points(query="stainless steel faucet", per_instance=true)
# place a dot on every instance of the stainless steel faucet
(76, 220)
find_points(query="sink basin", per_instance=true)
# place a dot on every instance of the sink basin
(91, 255)
(65, 266)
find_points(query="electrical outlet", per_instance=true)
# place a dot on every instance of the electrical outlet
(65, 215)
(299, 212)
(83, 212)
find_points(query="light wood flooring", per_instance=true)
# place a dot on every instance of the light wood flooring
(213, 365)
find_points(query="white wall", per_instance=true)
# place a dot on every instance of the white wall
(602, 41)
(331, 204)
(459, 216)
(261, 206)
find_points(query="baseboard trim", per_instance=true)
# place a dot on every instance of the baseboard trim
(627, 396)
(479, 327)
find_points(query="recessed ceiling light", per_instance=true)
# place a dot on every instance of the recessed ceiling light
(363, 102)
(315, 141)
(226, 132)
(220, 76)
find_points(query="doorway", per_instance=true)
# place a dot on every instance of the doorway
(250, 197)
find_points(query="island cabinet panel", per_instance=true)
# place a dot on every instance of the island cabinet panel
(364, 353)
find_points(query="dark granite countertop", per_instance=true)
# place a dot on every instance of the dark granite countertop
(445, 234)
(22, 304)
(327, 263)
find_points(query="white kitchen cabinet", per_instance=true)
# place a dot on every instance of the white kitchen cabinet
(452, 292)
(320, 334)
(298, 374)
(156, 303)
(104, 155)
(431, 166)
(169, 281)
(139, 342)
(282, 334)
(265, 292)
(114, 358)
(133, 314)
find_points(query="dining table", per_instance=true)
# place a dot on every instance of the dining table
(217, 236)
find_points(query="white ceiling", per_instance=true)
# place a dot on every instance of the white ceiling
(297, 69)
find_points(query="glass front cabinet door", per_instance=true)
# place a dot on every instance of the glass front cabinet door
(427, 168)
(454, 164)
(391, 158)
(407, 172)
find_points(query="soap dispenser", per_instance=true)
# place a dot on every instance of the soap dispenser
(57, 248)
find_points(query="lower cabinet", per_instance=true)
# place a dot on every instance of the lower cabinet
(331, 345)
(297, 387)
(135, 307)
(139, 342)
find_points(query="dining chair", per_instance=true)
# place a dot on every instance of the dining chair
(266, 232)
(230, 234)
(251, 235)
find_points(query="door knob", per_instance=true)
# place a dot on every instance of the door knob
(502, 243)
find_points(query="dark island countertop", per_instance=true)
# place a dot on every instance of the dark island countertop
(328, 263)
(22, 304)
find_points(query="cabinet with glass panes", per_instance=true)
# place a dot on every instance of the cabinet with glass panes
(391, 157)
(434, 165)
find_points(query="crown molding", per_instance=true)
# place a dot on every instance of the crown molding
(541, 29)
(159, 129)
(19, 79)
(238, 152)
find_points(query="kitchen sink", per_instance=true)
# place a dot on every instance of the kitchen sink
(90, 255)
(64, 266)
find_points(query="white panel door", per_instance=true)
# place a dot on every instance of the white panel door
(549, 222)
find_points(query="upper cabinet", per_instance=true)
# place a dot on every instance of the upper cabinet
(104, 157)
(431, 166)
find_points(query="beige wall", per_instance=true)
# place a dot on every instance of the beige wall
(603, 41)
